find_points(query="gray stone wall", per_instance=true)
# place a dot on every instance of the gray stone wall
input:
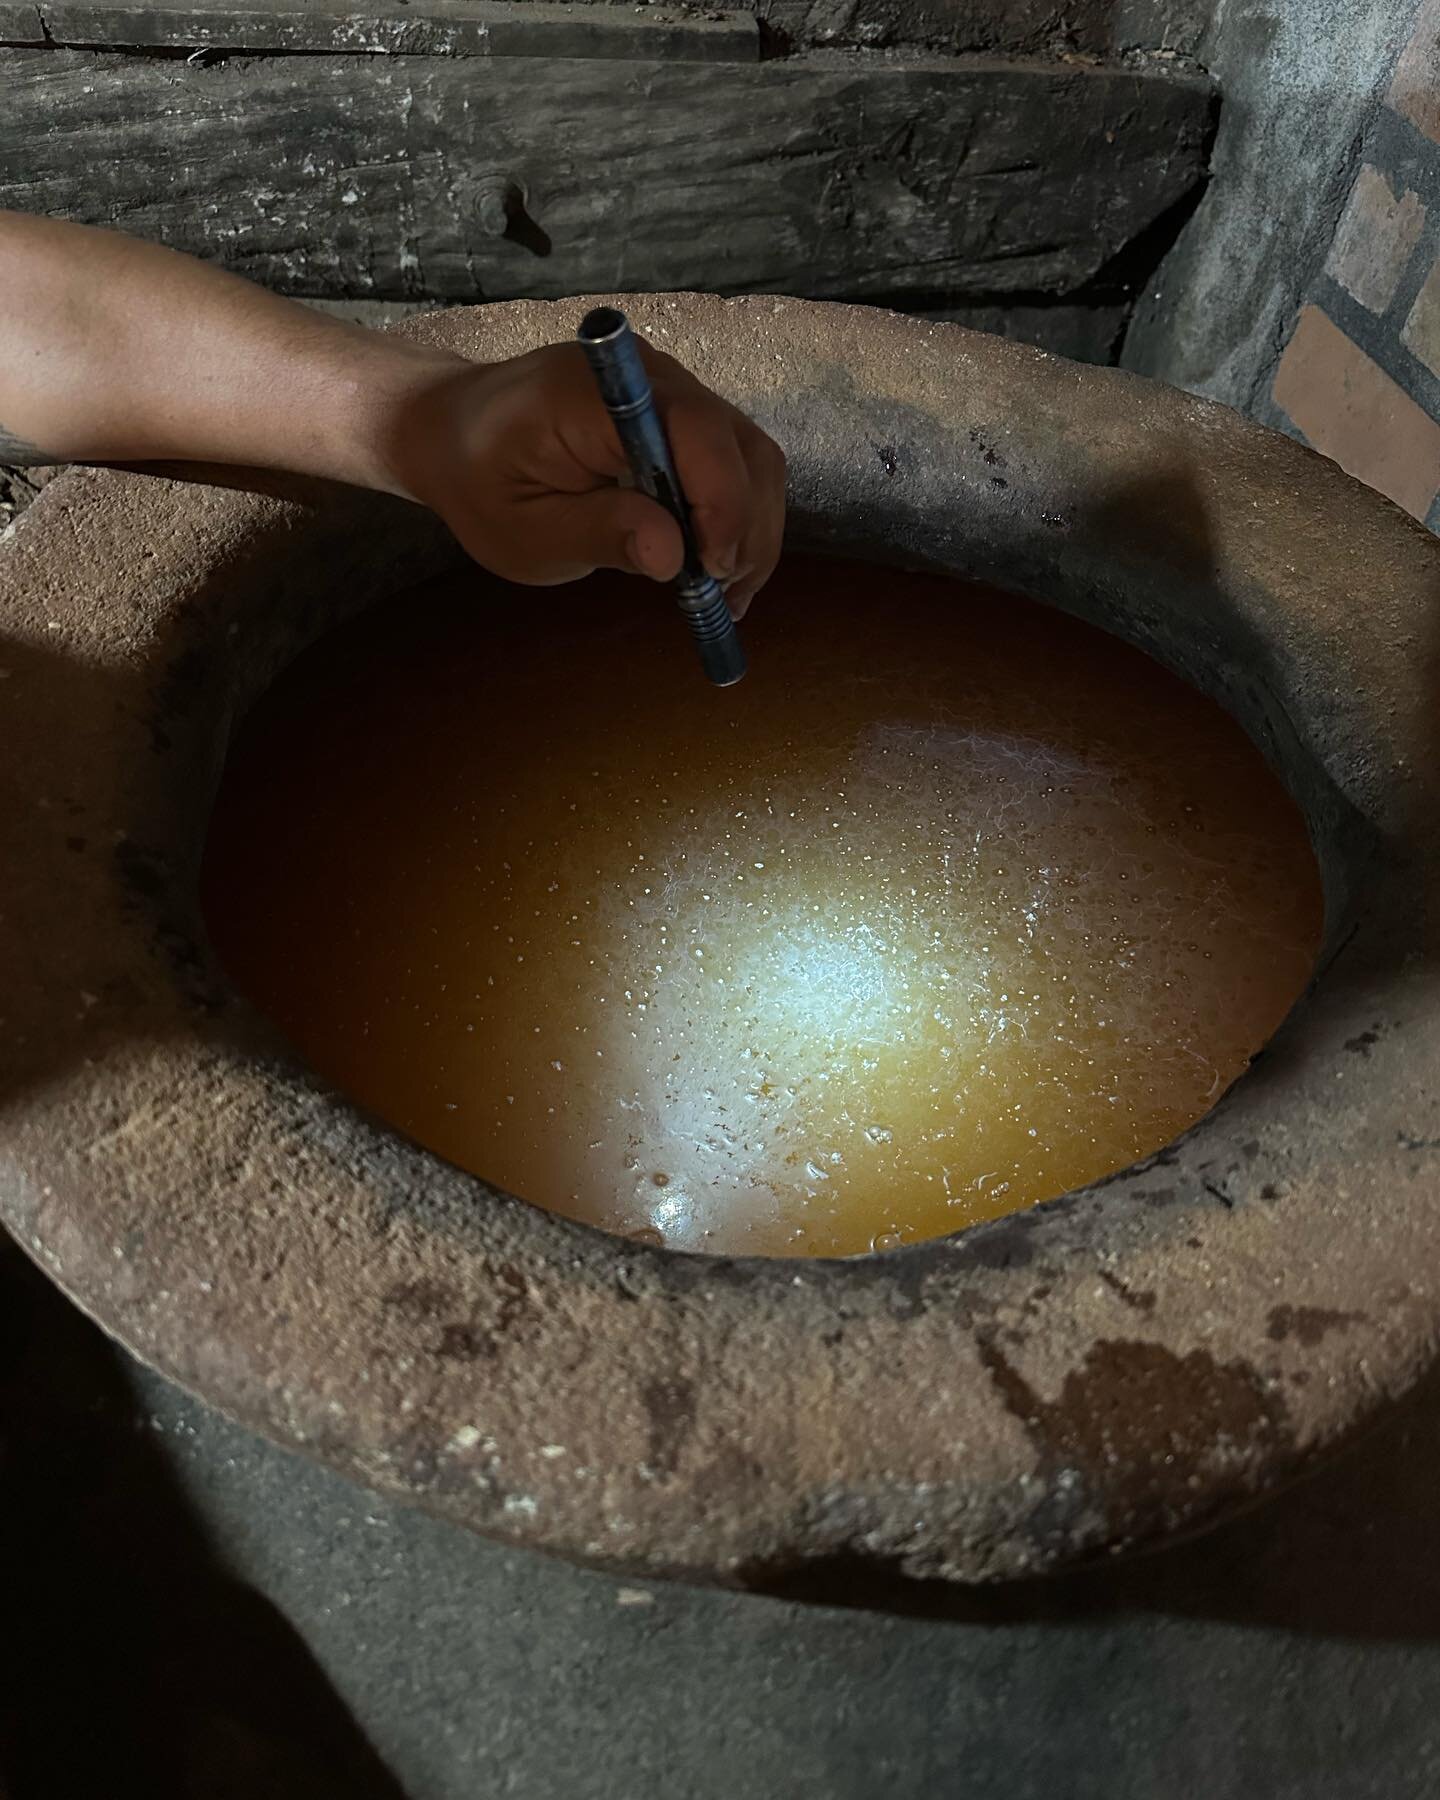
(1300, 81)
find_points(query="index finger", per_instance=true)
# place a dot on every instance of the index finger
(714, 476)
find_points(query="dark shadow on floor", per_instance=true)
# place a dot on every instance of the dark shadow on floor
(131, 1663)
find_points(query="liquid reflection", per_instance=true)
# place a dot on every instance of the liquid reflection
(954, 904)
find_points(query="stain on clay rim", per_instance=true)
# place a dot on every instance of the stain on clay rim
(1125, 1363)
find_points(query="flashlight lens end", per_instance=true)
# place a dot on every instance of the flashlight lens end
(602, 324)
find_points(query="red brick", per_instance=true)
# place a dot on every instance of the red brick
(1415, 87)
(1374, 238)
(1421, 333)
(1352, 412)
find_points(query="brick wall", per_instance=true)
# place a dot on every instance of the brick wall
(1359, 378)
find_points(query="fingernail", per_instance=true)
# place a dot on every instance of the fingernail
(635, 556)
(721, 564)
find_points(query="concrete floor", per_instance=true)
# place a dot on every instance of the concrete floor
(193, 1613)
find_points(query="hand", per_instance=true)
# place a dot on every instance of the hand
(521, 461)
(114, 350)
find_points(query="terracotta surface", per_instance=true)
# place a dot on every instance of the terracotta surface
(1415, 89)
(1420, 333)
(1351, 410)
(1378, 230)
(1116, 1366)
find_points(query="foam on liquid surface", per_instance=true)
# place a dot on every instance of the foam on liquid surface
(952, 905)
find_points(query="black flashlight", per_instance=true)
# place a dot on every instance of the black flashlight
(614, 356)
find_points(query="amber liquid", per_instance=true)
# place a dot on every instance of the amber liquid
(953, 904)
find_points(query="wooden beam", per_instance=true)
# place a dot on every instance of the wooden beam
(386, 28)
(959, 27)
(828, 175)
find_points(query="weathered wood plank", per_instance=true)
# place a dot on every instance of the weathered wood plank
(831, 176)
(1103, 28)
(387, 27)
(1091, 28)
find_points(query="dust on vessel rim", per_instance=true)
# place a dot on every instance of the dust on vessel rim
(1123, 1363)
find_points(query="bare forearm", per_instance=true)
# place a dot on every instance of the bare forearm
(114, 350)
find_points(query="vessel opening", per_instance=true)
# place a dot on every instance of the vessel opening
(956, 904)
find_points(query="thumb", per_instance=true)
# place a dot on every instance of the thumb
(557, 537)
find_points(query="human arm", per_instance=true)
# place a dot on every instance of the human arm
(113, 350)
